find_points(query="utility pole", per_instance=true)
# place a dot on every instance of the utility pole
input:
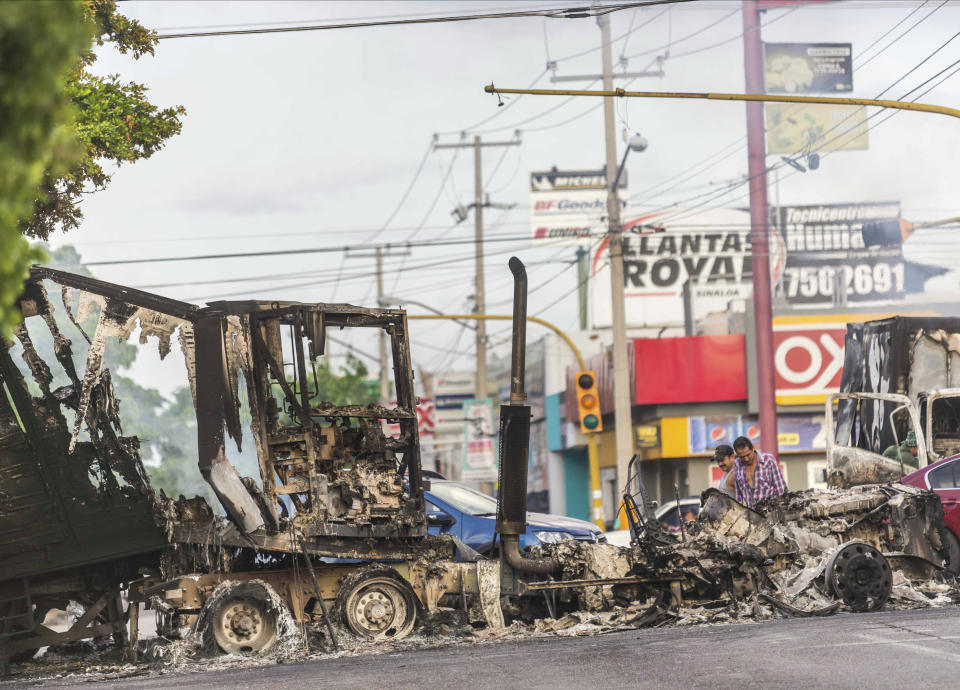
(478, 268)
(378, 254)
(621, 373)
(460, 213)
(384, 381)
(759, 228)
(583, 275)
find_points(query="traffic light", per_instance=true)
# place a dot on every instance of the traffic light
(588, 402)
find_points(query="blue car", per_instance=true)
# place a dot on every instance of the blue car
(471, 516)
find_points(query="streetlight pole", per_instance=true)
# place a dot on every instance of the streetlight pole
(621, 374)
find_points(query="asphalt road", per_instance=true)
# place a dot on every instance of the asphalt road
(881, 650)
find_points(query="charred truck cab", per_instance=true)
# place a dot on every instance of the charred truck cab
(80, 520)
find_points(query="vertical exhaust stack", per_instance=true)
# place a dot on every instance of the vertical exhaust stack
(515, 442)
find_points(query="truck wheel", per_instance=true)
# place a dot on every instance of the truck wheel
(860, 576)
(243, 621)
(376, 603)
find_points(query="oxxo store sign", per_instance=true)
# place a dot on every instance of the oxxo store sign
(808, 356)
(807, 360)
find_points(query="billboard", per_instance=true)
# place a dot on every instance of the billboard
(824, 244)
(450, 390)
(710, 248)
(479, 458)
(794, 128)
(569, 206)
(795, 433)
(807, 67)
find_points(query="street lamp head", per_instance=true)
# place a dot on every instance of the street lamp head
(638, 143)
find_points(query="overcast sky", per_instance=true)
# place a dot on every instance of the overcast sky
(310, 139)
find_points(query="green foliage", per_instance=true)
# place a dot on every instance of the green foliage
(115, 122)
(39, 45)
(351, 386)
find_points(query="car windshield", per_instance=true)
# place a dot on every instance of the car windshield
(463, 498)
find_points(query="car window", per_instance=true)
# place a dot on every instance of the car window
(945, 477)
(670, 519)
(463, 498)
(431, 508)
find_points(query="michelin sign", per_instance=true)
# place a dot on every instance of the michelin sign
(570, 206)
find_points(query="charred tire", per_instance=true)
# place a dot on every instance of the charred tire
(243, 620)
(376, 603)
(860, 576)
(951, 547)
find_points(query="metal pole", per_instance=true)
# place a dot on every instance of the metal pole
(582, 277)
(384, 380)
(596, 496)
(480, 306)
(759, 228)
(621, 371)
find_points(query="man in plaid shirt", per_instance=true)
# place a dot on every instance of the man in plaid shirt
(756, 475)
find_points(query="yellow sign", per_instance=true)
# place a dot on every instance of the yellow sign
(798, 128)
(788, 439)
(648, 436)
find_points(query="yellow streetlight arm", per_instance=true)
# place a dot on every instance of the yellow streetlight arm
(776, 98)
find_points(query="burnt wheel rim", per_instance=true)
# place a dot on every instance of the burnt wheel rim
(380, 608)
(860, 576)
(243, 625)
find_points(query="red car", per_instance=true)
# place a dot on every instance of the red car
(943, 478)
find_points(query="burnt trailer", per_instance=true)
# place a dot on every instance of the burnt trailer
(80, 520)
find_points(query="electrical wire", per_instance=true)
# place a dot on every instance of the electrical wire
(557, 13)
(406, 193)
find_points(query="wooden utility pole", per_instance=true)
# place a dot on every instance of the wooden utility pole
(378, 255)
(623, 427)
(477, 206)
(478, 267)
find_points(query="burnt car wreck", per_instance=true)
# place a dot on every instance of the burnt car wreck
(81, 525)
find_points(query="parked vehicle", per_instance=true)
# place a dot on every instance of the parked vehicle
(943, 478)
(669, 518)
(471, 516)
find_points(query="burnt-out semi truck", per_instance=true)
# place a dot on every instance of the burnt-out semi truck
(332, 528)
(81, 522)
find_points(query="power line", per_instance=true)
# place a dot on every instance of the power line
(406, 194)
(558, 13)
(684, 177)
(302, 250)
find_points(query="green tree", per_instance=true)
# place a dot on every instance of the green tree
(115, 122)
(350, 386)
(39, 45)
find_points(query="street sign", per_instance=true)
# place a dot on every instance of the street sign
(479, 458)
(808, 67)
(568, 206)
